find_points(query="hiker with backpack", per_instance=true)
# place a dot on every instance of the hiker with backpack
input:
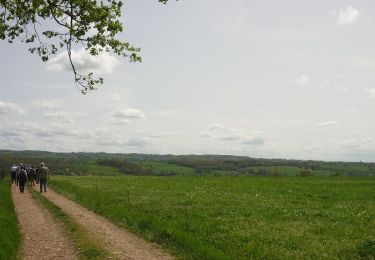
(13, 173)
(22, 179)
(43, 177)
(32, 175)
(18, 171)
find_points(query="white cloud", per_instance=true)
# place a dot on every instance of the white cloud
(50, 130)
(10, 108)
(256, 140)
(354, 110)
(324, 84)
(371, 92)
(106, 137)
(351, 143)
(341, 88)
(205, 135)
(114, 97)
(123, 116)
(223, 133)
(230, 137)
(312, 149)
(218, 131)
(71, 132)
(328, 123)
(27, 129)
(332, 83)
(9, 133)
(50, 104)
(80, 113)
(302, 80)
(218, 127)
(118, 121)
(166, 113)
(163, 135)
(357, 140)
(348, 15)
(294, 36)
(138, 142)
(59, 116)
(83, 62)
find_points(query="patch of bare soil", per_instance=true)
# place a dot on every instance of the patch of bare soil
(43, 237)
(121, 243)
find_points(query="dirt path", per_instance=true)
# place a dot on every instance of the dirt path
(43, 236)
(122, 244)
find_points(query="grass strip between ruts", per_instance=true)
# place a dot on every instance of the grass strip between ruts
(86, 247)
(10, 237)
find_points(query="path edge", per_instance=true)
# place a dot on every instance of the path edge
(84, 246)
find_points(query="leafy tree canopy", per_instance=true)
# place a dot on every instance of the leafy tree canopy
(52, 25)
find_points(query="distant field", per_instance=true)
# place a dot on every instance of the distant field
(94, 169)
(238, 217)
(268, 171)
(287, 170)
(9, 234)
(168, 169)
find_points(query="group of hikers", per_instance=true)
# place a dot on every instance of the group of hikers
(22, 174)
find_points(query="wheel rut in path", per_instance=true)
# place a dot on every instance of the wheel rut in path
(121, 243)
(43, 236)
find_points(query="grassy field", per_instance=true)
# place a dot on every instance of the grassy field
(238, 217)
(94, 169)
(9, 235)
(168, 169)
(287, 170)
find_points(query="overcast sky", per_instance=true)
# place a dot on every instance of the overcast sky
(262, 78)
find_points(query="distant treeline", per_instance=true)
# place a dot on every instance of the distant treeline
(205, 163)
(126, 167)
(131, 163)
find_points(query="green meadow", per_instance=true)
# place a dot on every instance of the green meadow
(238, 217)
(168, 169)
(286, 171)
(93, 169)
(10, 237)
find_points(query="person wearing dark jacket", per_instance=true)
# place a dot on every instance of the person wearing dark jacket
(32, 175)
(13, 174)
(22, 179)
(37, 175)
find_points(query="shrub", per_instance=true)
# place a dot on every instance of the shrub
(305, 172)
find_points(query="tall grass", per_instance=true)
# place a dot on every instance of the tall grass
(238, 217)
(10, 237)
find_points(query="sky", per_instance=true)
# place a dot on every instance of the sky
(260, 78)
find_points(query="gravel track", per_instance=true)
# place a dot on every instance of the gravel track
(121, 243)
(43, 236)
